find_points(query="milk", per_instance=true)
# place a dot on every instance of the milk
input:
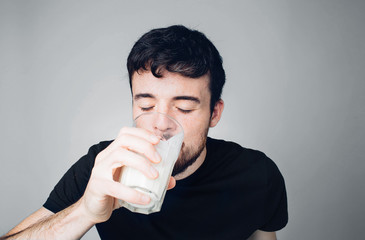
(156, 188)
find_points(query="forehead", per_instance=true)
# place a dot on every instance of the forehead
(170, 85)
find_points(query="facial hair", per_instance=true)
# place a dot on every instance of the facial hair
(189, 154)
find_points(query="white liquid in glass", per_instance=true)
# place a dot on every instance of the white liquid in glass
(156, 188)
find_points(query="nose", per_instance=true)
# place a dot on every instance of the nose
(163, 126)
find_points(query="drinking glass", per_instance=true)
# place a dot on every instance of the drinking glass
(171, 136)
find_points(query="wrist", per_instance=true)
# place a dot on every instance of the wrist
(90, 213)
(68, 219)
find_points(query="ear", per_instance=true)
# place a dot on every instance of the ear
(217, 113)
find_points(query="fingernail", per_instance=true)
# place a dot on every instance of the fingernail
(157, 157)
(153, 171)
(145, 199)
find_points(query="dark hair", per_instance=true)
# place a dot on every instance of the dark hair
(180, 50)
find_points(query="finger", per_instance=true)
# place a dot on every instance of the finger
(122, 157)
(121, 139)
(136, 144)
(172, 183)
(140, 146)
(119, 191)
(140, 132)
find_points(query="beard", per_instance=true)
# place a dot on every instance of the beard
(189, 154)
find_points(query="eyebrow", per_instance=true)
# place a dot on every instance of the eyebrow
(143, 95)
(148, 95)
(190, 98)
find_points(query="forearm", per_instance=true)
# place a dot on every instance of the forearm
(71, 223)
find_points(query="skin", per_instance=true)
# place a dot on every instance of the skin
(172, 95)
(186, 100)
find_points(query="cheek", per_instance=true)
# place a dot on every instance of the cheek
(194, 128)
(136, 112)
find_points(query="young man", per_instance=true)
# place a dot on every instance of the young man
(224, 191)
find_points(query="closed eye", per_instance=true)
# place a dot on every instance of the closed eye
(145, 109)
(184, 111)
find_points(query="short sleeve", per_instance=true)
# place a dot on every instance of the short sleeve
(72, 185)
(276, 207)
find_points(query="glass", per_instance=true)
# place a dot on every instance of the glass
(171, 134)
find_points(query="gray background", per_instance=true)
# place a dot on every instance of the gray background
(295, 90)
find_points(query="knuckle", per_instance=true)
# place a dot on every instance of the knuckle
(122, 139)
(100, 156)
(123, 130)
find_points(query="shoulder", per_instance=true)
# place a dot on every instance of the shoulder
(235, 152)
(252, 171)
(228, 147)
(247, 161)
(86, 162)
(72, 185)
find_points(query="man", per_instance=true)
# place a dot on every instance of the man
(223, 191)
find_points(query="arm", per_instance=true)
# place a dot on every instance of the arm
(41, 213)
(71, 223)
(102, 192)
(261, 235)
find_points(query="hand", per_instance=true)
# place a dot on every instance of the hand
(103, 190)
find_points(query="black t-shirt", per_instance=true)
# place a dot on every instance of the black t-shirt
(235, 192)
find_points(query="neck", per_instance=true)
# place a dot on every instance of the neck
(192, 168)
